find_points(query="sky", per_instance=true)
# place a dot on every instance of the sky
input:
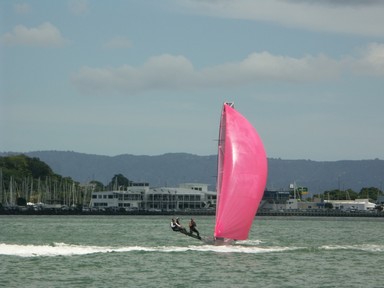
(150, 77)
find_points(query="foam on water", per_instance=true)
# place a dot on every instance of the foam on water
(249, 242)
(240, 249)
(56, 249)
(247, 247)
(362, 247)
(63, 249)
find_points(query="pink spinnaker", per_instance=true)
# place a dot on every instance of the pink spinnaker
(242, 175)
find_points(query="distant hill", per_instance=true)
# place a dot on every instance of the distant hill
(175, 168)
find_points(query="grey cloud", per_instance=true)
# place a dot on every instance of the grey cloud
(338, 2)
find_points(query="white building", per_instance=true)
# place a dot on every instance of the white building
(352, 205)
(130, 199)
(139, 196)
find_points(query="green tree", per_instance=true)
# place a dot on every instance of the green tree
(337, 194)
(119, 181)
(39, 168)
(97, 186)
(370, 193)
(30, 179)
(21, 166)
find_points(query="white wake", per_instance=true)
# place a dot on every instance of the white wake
(247, 247)
(63, 249)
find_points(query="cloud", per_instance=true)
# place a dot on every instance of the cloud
(265, 66)
(339, 2)
(78, 7)
(350, 17)
(22, 8)
(118, 42)
(170, 72)
(162, 72)
(45, 35)
(370, 60)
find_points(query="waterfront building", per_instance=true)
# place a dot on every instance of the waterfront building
(196, 196)
(352, 205)
(274, 200)
(133, 198)
(282, 201)
(139, 196)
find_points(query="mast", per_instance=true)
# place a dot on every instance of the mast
(11, 191)
(1, 186)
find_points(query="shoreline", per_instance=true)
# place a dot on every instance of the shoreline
(285, 213)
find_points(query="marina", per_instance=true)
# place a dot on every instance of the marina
(195, 198)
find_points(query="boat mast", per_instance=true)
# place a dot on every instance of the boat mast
(1, 186)
(230, 104)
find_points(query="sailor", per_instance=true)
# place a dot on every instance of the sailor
(174, 226)
(181, 228)
(192, 228)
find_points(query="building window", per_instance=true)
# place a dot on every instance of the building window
(100, 204)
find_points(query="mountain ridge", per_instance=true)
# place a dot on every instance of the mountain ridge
(171, 169)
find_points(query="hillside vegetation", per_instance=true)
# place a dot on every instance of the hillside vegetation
(26, 179)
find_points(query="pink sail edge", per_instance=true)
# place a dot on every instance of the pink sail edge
(242, 175)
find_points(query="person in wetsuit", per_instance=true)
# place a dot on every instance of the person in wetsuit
(176, 226)
(192, 228)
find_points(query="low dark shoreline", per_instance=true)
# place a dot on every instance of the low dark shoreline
(330, 213)
(286, 213)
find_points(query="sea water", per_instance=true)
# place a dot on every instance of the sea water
(142, 251)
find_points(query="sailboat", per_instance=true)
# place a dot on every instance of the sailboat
(241, 176)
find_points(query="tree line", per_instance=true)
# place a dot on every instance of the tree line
(26, 179)
(371, 193)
